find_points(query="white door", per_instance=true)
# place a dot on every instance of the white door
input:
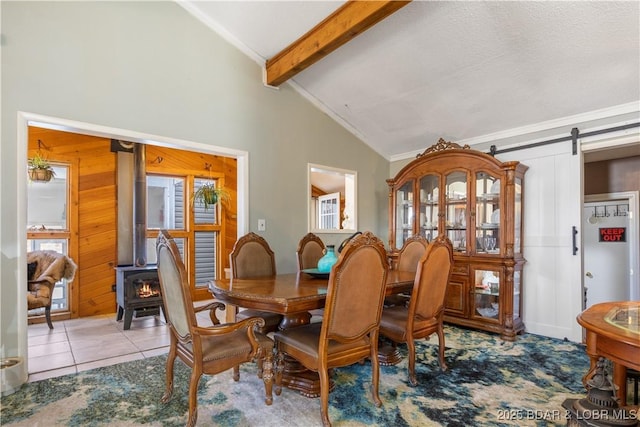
(329, 211)
(552, 275)
(606, 252)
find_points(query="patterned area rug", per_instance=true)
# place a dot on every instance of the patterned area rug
(489, 382)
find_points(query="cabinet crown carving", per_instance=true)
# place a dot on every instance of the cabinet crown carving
(442, 145)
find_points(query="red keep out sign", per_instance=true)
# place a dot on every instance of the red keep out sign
(613, 234)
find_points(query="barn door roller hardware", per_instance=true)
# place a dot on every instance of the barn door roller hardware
(575, 134)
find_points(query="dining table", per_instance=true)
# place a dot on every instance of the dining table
(295, 295)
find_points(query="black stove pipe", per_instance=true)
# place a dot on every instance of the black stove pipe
(139, 206)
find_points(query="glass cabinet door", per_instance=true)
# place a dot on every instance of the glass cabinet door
(487, 214)
(429, 193)
(517, 286)
(404, 213)
(486, 292)
(456, 210)
(517, 217)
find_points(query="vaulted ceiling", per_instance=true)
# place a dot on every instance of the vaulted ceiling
(458, 70)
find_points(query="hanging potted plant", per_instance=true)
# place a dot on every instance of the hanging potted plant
(208, 195)
(40, 169)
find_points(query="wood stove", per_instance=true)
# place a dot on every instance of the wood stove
(137, 292)
(137, 285)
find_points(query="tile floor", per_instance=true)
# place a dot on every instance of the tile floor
(90, 342)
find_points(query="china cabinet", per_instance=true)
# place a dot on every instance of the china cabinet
(476, 201)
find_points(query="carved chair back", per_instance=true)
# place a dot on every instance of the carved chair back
(174, 287)
(356, 290)
(411, 252)
(430, 286)
(310, 250)
(252, 257)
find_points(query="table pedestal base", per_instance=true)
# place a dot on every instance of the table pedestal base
(294, 320)
(389, 355)
(297, 377)
(294, 375)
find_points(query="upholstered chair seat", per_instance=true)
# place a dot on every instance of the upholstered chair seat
(223, 347)
(395, 323)
(305, 338)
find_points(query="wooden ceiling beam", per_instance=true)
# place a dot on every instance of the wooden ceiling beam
(351, 19)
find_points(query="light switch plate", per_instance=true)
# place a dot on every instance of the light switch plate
(262, 224)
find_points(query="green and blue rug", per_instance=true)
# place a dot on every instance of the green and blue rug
(489, 382)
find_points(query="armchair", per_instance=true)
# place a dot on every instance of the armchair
(206, 350)
(45, 269)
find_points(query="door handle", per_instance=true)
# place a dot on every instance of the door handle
(589, 275)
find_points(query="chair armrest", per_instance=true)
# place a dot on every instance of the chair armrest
(249, 324)
(212, 307)
(226, 328)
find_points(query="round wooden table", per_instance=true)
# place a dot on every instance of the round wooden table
(613, 332)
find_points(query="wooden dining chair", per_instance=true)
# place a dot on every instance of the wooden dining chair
(206, 350)
(425, 313)
(407, 260)
(310, 250)
(349, 331)
(250, 258)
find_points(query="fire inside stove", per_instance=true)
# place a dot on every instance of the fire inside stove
(147, 288)
(137, 292)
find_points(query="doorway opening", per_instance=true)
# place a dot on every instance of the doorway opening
(25, 120)
(610, 241)
(610, 222)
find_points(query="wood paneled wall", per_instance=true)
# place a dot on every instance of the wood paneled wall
(95, 250)
(96, 204)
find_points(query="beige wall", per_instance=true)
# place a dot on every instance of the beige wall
(151, 67)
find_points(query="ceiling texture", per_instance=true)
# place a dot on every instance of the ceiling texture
(455, 70)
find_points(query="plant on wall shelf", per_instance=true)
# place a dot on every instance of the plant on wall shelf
(208, 195)
(40, 169)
